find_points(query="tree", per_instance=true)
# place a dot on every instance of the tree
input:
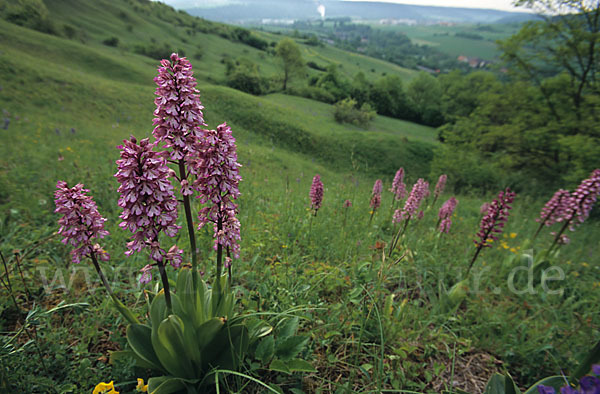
(566, 43)
(244, 75)
(425, 96)
(388, 98)
(543, 123)
(291, 59)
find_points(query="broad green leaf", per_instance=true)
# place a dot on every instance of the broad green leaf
(288, 328)
(207, 332)
(128, 355)
(554, 381)
(458, 293)
(279, 366)
(298, 365)
(164, 385)
(228, 348)
(265, 349)
(290, 347)
(257, 329)
(158, 309)
(139, 338)
(510, 387)
(170, 348)
(495, 385)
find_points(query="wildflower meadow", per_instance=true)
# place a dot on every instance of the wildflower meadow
(177, 250)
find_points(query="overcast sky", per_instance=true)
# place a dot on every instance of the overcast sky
(505, 5)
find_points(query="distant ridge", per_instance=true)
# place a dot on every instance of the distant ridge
(257, 10)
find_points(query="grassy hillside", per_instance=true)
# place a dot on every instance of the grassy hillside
(374, 322)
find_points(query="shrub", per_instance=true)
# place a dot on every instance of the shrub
(347, 111)
(111, 42)
(29, 13)
(315, 66)
(243, 75)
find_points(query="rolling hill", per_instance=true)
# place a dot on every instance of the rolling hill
(256, 10)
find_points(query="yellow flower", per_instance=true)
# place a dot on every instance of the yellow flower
(513, 235)
(284, 246)
(575, 273)
(513, 250)
(489, 240)
(505, 245)
(585, 264)
(141, 386)
(105, 388)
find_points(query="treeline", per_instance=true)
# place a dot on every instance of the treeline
(391, 46)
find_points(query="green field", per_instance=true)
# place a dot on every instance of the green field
(445, 38)
(370, 321)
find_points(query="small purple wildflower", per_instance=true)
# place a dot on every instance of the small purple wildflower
(217, 181)
(495, 218)
(347, 204)
(316, 193)
(81, 223)
(588, 385)
(178, 114)
(546, 389)
(441, 184)
(445, 214)
(398, 186)
(146, 276)
(149, 205)
(418, 192)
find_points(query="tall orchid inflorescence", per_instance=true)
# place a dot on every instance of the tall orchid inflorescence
(419, 191)
(583, 199)
(178, 115)
(445, 215)
(570, 209)
(375, 198)
(439, 187)
(217, 183)
(81, 223)
(148, 202)
(376, 195)
(398, 186)
(316, 193)
(493, 222)
(554, 210)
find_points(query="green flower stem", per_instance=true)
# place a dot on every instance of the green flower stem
(190, 224)
(165, 282)
(118, 304)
